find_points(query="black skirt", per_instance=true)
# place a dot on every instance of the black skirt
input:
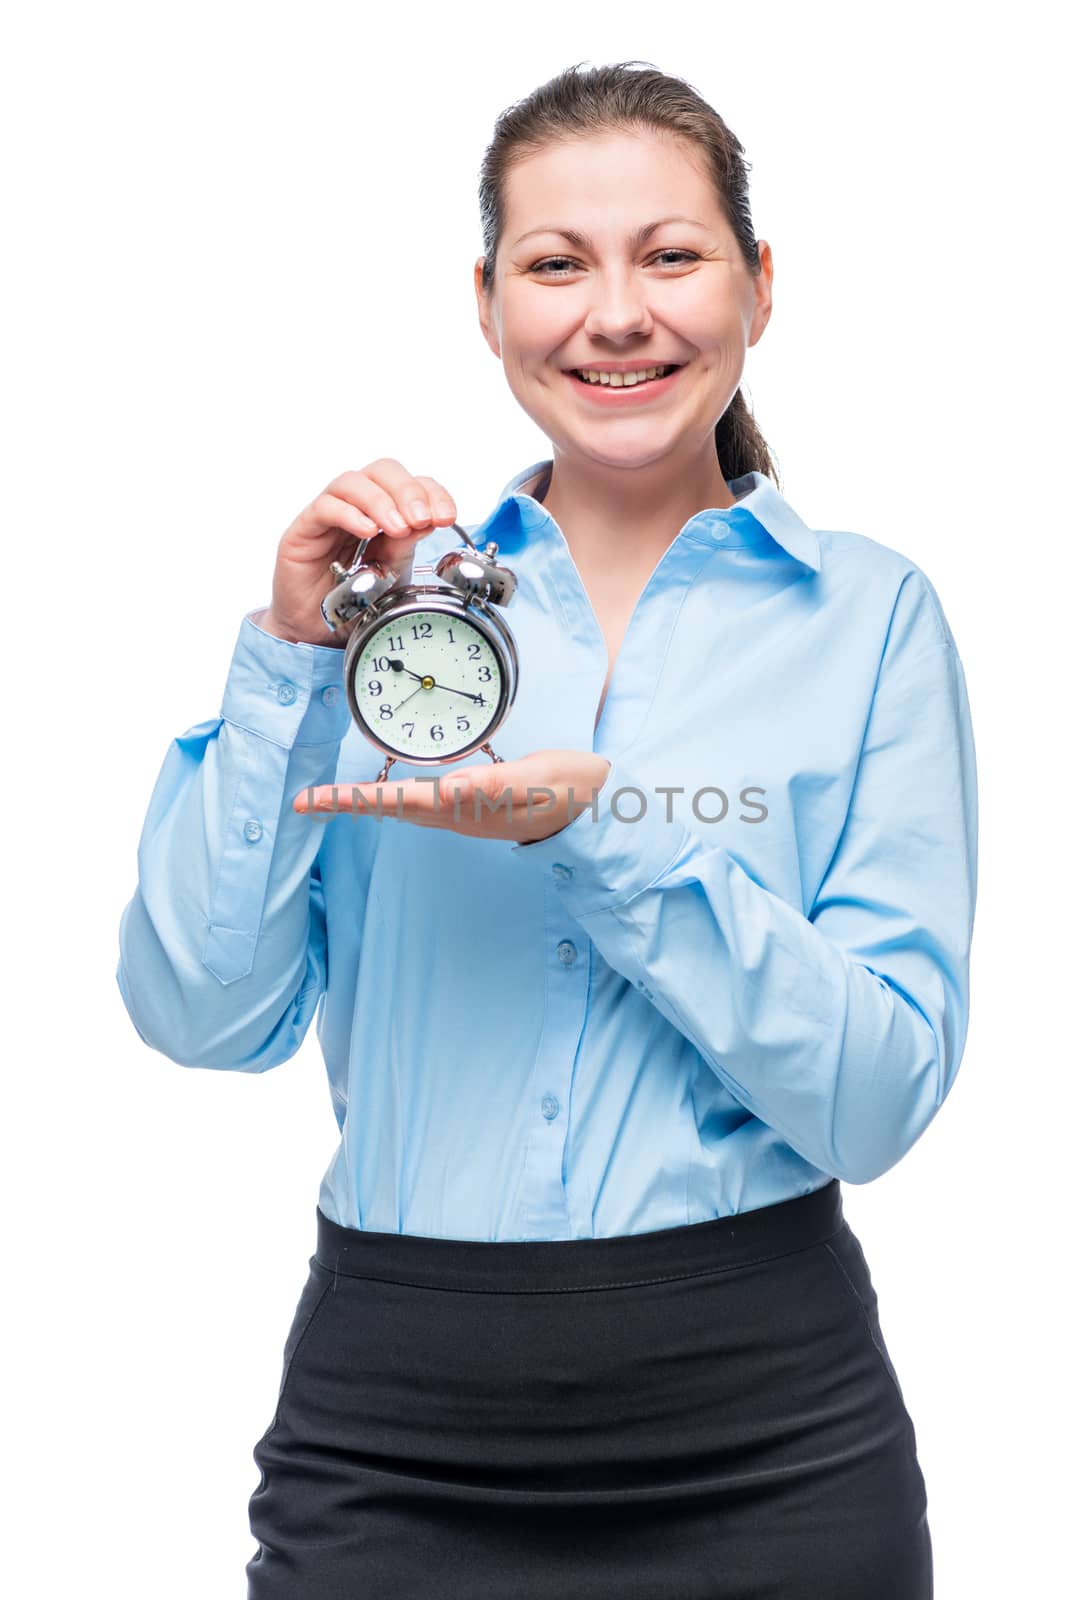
(705, 1412)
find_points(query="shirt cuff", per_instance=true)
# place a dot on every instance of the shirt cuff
(291, 694)
(613, 849)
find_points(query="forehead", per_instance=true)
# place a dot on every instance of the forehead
(608, 181)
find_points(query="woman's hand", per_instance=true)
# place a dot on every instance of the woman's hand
(523, 800)
(354, 506)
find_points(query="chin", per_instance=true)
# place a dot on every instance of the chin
(641, 441)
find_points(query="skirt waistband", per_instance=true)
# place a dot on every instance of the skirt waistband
(536, 1266)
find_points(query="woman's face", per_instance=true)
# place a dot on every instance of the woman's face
(682, 294)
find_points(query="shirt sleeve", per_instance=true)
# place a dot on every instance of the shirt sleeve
(842, 1030)
(222, 948)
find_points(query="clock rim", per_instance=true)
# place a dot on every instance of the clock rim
(473, 611)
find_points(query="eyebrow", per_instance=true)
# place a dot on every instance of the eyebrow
(582, 241)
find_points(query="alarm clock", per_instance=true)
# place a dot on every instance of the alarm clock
(430, 669)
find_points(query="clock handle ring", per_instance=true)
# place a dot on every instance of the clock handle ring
(339, 571)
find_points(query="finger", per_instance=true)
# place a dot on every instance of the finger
(421, 501)
(369, 495)
(357, 798)
(457, 787)
(335, 512)
(442, 504)
(406, 799)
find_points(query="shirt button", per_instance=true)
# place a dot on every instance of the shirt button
(253, 830)
(719, 530)
(549, 1107)
(560, 871)
(286, 693)
(330, 694)
(566, 951)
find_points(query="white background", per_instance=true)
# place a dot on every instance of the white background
(239, 256)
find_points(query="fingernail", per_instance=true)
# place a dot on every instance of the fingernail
(396, 522)
(420, 510)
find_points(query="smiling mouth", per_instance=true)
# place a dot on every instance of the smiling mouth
(626, 380)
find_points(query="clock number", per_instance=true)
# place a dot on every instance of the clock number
(449, 632)
(410, 726)
(484, 674)
(437, 731)
(474, 650)
(374, 687)
(462, 724)
(380, 664)
(395, 643)
(478, 700)
(385, 712)
(421, 630)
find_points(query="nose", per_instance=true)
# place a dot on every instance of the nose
(617, 306)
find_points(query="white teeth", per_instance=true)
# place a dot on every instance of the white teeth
(620, 380)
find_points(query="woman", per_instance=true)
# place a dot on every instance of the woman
(584, 1315)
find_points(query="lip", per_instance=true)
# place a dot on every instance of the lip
(606, 394)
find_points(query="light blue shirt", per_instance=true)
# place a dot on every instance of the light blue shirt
(679, 1007)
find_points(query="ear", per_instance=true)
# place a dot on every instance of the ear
(485, 310)
(762, 288)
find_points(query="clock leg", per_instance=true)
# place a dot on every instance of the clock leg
(489, 752)
(385, 770)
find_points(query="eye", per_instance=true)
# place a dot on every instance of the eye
(539, 267)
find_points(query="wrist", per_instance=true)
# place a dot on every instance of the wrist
(280, 629)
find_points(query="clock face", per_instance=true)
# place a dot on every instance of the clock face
(428, 684)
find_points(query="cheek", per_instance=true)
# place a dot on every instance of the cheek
(705, 314)
(533, 324)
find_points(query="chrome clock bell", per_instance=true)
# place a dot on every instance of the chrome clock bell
(430, 670)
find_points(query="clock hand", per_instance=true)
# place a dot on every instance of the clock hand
(437, 685)
(398, 666)
(449, 690)
(407, 697)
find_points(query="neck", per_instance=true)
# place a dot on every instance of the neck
(612, 516)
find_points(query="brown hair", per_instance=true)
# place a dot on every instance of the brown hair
(613, 97)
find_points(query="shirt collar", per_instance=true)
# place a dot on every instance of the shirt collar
(520, 513)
